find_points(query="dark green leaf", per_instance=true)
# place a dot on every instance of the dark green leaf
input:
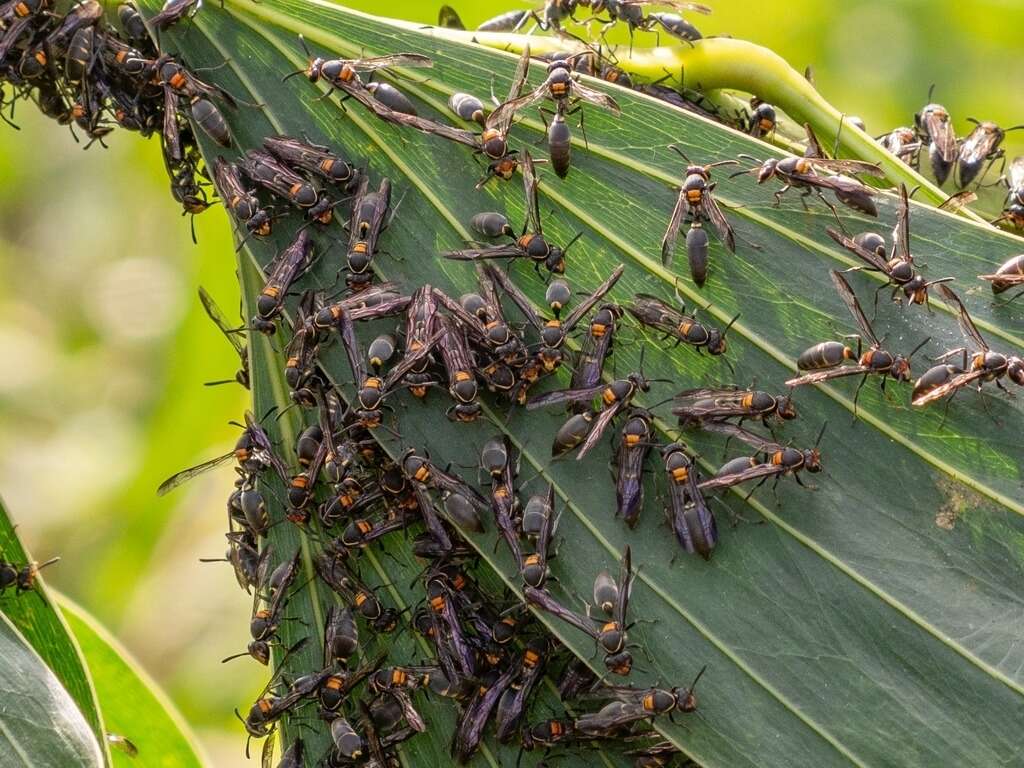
(873, 620)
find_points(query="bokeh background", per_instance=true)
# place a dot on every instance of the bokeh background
(105, 348)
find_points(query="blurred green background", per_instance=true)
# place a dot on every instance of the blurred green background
(107, 349)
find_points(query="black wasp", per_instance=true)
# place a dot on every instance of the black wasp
(615, 397)
(695, 407)
(492, 142)
(778, 460)
(1013, 208)
(697, 203)
(904, 143)
(980, 145)
(900, 267)
(982, 365)
(825, 360)
(802, 173)
(369, 210)
(254, 453)
(553, 332)
(287, 267)
(241, 201)
(691, 518)
(630, 705)
(313, 158)
(635, 442)
(1009, 275)
(610, 635)
(936, 129)
(531, 244)
(676, 324)
(562, 86)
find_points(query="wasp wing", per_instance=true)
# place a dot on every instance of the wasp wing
(564, 396)
(187, 474)
(585, 93)
(714, 213)
(850, 299)
(967, 325)
(584, 307)
(872, 259)
(668, 242)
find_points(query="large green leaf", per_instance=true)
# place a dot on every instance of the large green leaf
(35, 617)
(872, 621)
(40, 725)
(134, 708)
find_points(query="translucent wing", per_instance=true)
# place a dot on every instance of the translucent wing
(564, 396)
(850, 299)
(604, 418)
(714, 213)
(870, 257)
(603, 100)
(220, 320)
(967, 325)
(753, 473)
(901, 232)
(394, 60)
(955, 383)
(530, 192)
(668, 242)
(584, 307)
(187, 474)
(834, 373)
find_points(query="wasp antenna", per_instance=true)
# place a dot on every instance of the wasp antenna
(569, 245)
(679, 152)
(734, 319)
(918, 347)
(931, 89)
(820, 434)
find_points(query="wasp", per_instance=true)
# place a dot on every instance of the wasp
(802, 173)
(217, 316)
(392, 98)
(696, 202)
(458, 362)
(635, 443)
(23, 577)
(348, 498)
(81, 16)
(133, 24)
(239, 200)
(477, 712)
(453, 643)
(282, 272)
(695, 407)
(562, 85)
(676, 324)
(243, 558)
(611, 635)
(982, 365)
(369, 210)
(371, 390)
(373, 303)
(269, 599)
(554, 332)
(333, 570)
(264, 169)
(174, 11)
(513, 703)
(980, 145)
(534, 570)
(825, 360)
(313, 158)
(631, 12)
(496, 457)
(779, 460)
(900, 267)
(302, 351)
(615, 397)
(253, 451)
(596, 346)
(343, 74)
(531, 244)
(17, 17)
(630, 705)
(1013, 208)
(762, 119)
(902, 142)
(936, 129)
(492, 142)
(1009, 275)
(420, 325)
(481, 316)
(691, 519)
